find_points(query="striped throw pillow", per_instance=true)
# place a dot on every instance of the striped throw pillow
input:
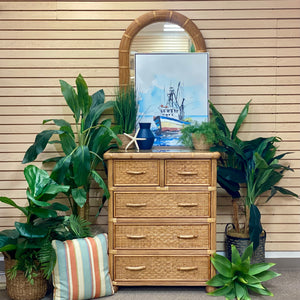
(81, 270)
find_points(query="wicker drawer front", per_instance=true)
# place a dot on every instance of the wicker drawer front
(183, 172)
(162, 236)
(161, 268)
(161, 204)
(136, 172)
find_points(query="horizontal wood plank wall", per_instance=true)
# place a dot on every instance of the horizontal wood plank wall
(254, 51)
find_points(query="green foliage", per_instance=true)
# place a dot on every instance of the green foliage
(30, 242)
(254, 163)
(83, 147)
(125, 109)
(208, 129)
(235, 279)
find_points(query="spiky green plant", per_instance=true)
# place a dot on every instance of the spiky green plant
(235, 279)
(125, 109)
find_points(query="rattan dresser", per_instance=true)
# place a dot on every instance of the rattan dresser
(162, 217)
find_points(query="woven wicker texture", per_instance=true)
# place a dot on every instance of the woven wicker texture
(125, 141)
(20, 289)
(136, 172)
(188, 172)
(199, 142)
(162, 236)
(162, 204)
(162, 267)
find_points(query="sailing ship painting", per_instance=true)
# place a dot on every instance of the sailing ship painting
(171, 92)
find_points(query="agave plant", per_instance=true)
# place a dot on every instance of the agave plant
(83, 146)
(30, 242)
(236, 278)
(254, 163)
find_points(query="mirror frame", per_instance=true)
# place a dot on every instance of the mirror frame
(149, 18)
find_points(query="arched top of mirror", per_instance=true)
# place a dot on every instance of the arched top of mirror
(149, 18)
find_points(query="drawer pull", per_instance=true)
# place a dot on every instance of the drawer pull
(187, 204)
(136, 204)
(135, 268)
(187, 173)
(136, 172)
(136, 237)
(192, 236)
(187, 268)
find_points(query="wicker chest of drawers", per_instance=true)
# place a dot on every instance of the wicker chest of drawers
(162, 217)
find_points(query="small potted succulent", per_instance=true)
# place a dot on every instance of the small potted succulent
(199, 136)
(125, 113)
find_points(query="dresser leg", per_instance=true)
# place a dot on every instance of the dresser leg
(209, 289)
(116, 288)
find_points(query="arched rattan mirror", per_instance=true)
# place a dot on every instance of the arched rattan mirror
(149, 18)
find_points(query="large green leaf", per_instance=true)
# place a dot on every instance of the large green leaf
(58, 122)
(258, 268)
(248, 252)
(218, 280)
(71, 98)
(223, 291)
(67, 142)
(220, 121)
(39, 145)
(60, 169)
(82, 165)
(36, 202)
(79, 195)
(12, 203)
(235, 256)
(30, 231)
(84, 100)
(43, 213)
(262, 291)
(240, 120)
(222, 265)
(266, 275)
(8, 239)
(255, 227)
(101, 183)
(37, 180)
(232, 174)
(58, 206)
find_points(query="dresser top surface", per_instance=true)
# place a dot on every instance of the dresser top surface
(159, 153)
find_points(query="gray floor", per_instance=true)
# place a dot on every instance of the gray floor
(285, 287)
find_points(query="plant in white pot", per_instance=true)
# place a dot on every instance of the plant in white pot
(256, 165)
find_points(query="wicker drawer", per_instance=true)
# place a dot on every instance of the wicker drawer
(159, 204)
(136, 172)
(184, 172)
(162, 236)
(194, 268)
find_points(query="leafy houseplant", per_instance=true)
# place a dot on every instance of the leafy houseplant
(29, 256)
(125, 112)
(83, 147)
(236, 278)
(195, 133)
(253, 163)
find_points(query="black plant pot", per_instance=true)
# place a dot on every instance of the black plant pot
(242, 243)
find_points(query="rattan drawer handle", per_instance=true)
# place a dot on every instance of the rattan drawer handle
(136, 172)
(187, 173)
(136, 237)
(136, 204)
(135, 268)
(187, 204)
(187, 268)
(192, 236)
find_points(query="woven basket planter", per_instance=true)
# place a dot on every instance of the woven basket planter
(199, 142)
(242, 243)
(20, 289)
(125, 141)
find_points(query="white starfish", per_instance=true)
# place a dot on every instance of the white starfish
(134, 139)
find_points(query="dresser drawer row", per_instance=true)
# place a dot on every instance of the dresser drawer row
(157, 204)
(148, 172)
(159, 267)
(162, 236)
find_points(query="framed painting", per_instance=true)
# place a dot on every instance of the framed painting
(172, 90)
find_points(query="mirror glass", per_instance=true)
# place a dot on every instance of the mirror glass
(159, 37)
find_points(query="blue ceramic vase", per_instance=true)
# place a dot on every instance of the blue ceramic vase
(145, 132)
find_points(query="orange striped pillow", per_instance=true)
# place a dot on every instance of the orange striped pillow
(81, 271)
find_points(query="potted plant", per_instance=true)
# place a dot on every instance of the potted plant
(29, 256)
(83, 145)
(237, 277)
(125, 113)
(255, 165)
(199, 135)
